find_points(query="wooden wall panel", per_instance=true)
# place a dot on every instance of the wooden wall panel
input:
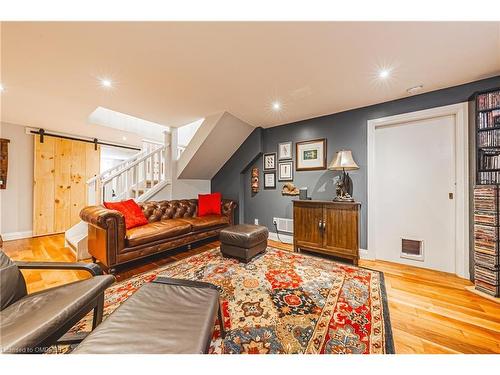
(44, 184)
(61, 170)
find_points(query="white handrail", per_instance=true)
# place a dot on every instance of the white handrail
(118, 166)
(131, 165)
(138, 177)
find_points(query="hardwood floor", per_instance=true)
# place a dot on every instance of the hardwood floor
(431, 311)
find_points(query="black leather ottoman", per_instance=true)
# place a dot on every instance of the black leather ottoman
(166, 316)
(243, 241)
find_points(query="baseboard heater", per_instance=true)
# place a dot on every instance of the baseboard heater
(283, 225)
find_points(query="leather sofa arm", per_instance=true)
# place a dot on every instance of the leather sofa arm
(227, 209)
(107, 233)
(99, 216)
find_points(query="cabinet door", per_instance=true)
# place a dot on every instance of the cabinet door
(307, 231)
(341, 229)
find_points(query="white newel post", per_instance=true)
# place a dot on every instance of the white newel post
(167, 164)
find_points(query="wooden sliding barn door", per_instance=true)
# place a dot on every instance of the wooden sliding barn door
(61, 170)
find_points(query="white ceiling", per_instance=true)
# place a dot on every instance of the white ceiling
(174, 73)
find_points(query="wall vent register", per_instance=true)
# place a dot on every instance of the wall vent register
(412, 249)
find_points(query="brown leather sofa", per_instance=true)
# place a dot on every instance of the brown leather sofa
(171, 224)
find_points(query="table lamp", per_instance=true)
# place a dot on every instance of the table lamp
(343, 161)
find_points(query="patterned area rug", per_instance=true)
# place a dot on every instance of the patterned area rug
(283, 302)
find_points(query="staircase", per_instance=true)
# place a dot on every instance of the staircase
(140, 178)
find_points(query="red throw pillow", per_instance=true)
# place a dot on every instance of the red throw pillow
(134, 216)
(209, 204)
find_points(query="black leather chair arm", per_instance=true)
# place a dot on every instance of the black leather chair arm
(91, 268)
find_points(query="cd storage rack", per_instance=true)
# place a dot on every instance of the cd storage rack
(487, 193)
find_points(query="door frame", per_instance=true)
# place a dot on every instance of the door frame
(460, 112)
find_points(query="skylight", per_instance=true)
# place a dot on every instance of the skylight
(121, 121)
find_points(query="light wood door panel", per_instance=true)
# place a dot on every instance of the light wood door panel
(341, 229)
(78, 182)
(307, 231)
(43, 188)
(62, 201)
(61, 170)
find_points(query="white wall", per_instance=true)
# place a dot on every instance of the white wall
(16, 202)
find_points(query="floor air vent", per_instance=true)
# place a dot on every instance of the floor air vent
(412, 249)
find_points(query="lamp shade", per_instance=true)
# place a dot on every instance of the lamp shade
(343, 161)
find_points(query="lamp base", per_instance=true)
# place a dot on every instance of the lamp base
(346, 198)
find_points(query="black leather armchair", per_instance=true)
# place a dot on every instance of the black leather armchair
(30, 323)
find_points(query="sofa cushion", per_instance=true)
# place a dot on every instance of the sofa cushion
(29, 321)
(133, 214)
(209, 204)
(205, 222)
(155, 231)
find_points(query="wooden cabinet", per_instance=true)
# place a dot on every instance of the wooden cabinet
(327, 227)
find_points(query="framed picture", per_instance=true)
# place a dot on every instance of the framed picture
(285, 171)
(269, 161)
(284, 150)
(310, 155)
(269, 180)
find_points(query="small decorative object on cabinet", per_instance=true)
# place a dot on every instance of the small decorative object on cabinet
(310, 155)
(343, 161)
(326, 227)
(4, 162)
(255, 180)
(486, 239)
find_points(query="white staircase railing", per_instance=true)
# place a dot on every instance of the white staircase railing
(139, 177)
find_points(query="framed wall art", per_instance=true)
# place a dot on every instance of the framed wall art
(310, 155)
(285, 151)
(269, 180)
(285, 171)
(269, 161)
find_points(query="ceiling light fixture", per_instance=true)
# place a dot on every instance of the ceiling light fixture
(384, 73)
(2, 88)
(106, 83)
(414, 89)
(276, 106)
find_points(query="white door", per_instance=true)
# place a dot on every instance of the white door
(414, 192)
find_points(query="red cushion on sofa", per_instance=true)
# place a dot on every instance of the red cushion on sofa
(134, 216)
(209, 204)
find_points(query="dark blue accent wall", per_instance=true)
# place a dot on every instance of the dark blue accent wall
(344, 130)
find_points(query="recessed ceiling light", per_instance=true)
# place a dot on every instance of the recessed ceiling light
(2, 88)
(106, 83)
(384, 73)
(276, 106)
(124, 138)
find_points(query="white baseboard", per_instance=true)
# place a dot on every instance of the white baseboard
(17, 235)
(286, 238)
(364, 254)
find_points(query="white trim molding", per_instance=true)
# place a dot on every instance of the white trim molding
(460, 112)
(286, 238)
(17, 235)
